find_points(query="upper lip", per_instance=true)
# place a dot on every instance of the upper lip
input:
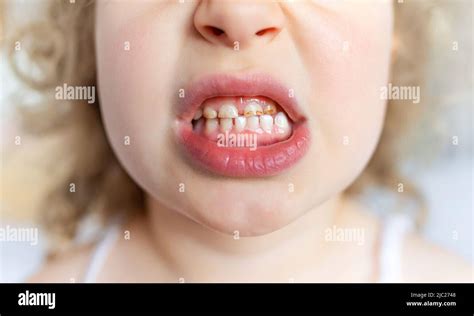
(254, 84)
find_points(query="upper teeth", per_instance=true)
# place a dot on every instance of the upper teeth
(209, 112)
(228, 111)
(197, 115)
(253, 108)
(254, 118)
(269, 109)
(281, 121)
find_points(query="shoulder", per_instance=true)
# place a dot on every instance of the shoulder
(423, 261)
(65, 267)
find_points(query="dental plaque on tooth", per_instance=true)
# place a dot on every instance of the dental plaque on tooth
(243, 115)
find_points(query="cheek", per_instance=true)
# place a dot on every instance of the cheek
(135, 76)
(129, 68)
(352, 66)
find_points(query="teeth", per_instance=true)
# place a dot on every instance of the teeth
(211, 125)
(281, 121)
(228, 111)
(252, 123)
(269, 109)
(240, 123)
(252, 109)
(258, 117)
(266, 123)
(226, 124)
(209, 113)
(198, 115)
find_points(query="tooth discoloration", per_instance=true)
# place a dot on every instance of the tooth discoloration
(243, 115)
(252, 109)
(269, 109)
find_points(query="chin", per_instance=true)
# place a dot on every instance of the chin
(250, 217)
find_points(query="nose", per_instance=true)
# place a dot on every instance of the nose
(248, 23)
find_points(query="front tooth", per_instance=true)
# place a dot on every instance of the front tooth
(228, 111)
(253, 108)
(269, 109)
(211, 125)
(266, 123)
(252, 123)
(240, 122)
(209, 113)
(197, 115)
(226, 124)
(281, 121)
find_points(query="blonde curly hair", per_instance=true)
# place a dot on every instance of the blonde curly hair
(70, 143)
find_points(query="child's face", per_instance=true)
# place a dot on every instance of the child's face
(321, 63)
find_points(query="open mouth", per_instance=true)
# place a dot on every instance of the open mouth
(242, 118)
(244, 126)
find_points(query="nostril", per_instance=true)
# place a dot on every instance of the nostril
(266, 31)
(214, 30)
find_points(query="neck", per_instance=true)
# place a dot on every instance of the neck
(199, 254)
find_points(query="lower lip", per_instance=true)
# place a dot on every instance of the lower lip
(243, 161)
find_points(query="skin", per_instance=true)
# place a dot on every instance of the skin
(338, 93)
(335, 55)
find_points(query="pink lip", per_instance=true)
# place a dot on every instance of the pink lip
(241, 162)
